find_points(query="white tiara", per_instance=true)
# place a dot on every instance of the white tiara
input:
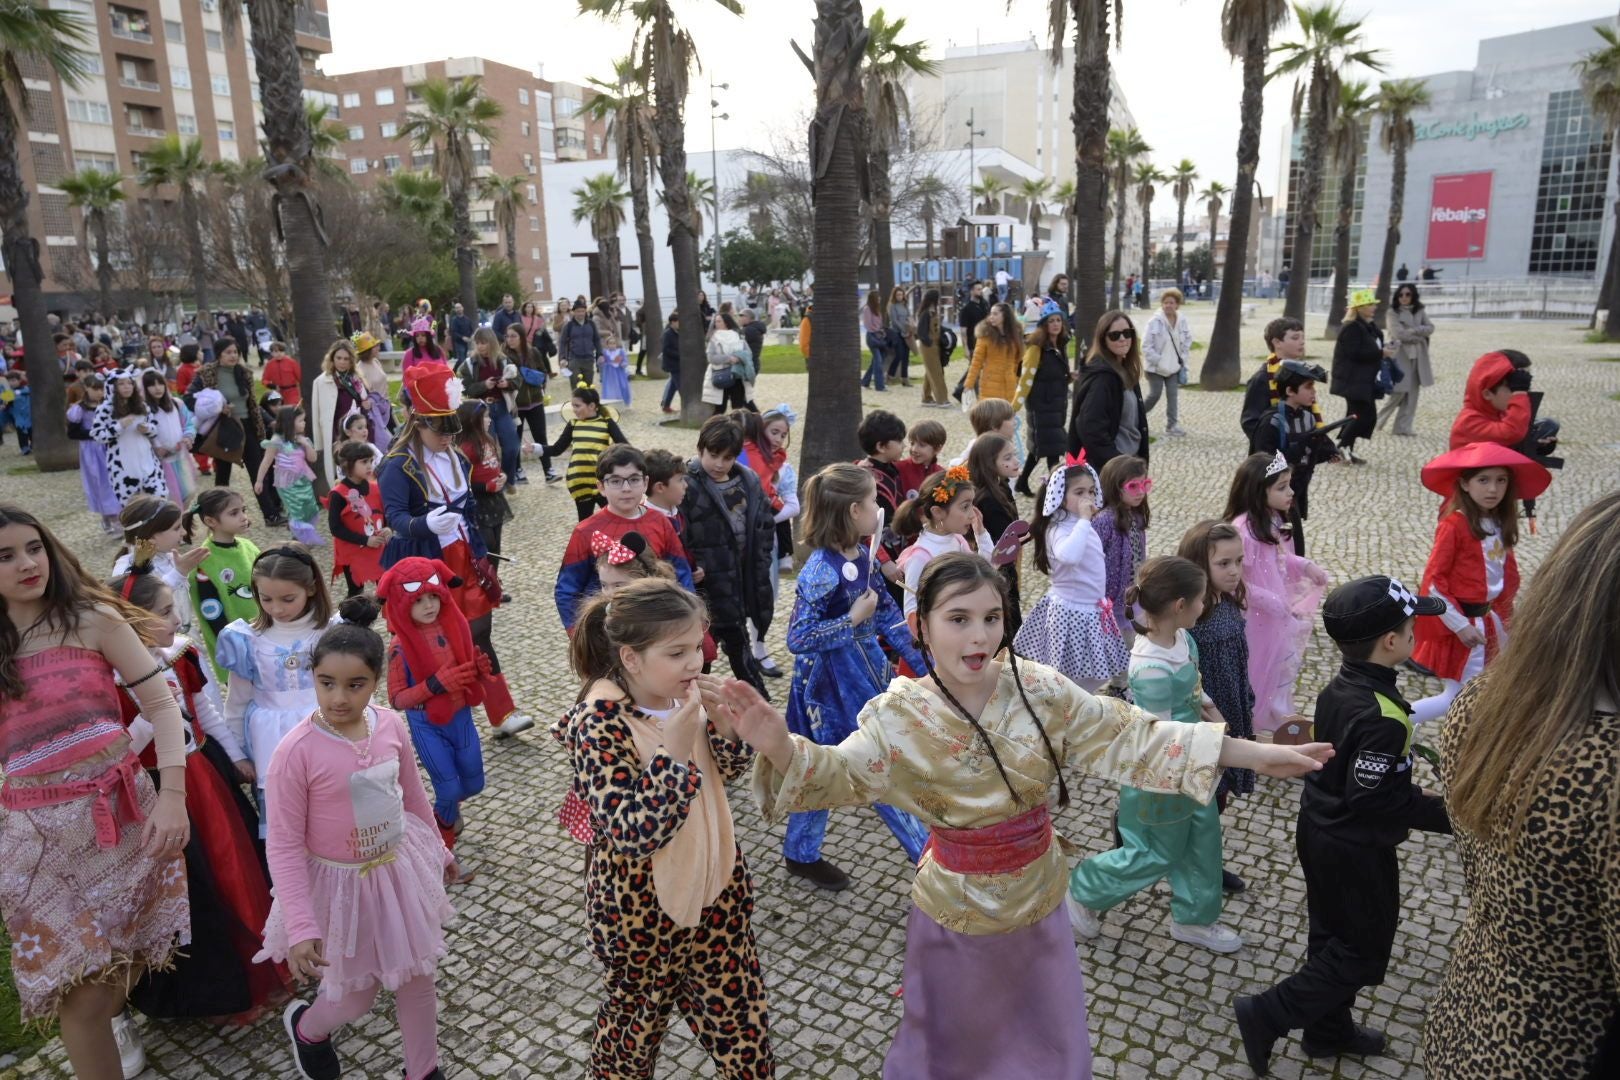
(1276, 465)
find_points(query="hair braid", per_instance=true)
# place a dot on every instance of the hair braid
(928, 655)
(1057, 763)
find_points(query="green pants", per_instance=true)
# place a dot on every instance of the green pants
(1165, 835)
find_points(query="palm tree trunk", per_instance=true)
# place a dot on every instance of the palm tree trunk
(836, 136)
(1341, 253)
(1611, 321)
(1223, 362)
(882, 231)
(1392, 232)
(1090, 119)
(928, 236)
(652, 314)
(466, 254)
(53, 450)
(1310, 192)
(1147, 293)
(1114, 298)
(98, 228)
(1181, 223)
(192, 221)
(511, 240)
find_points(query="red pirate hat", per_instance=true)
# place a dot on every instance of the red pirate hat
(433, 388)
(1441, 475)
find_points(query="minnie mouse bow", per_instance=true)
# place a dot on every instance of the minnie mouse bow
(1057, 483)
(617, 551)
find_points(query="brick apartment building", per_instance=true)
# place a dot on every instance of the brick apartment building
(541, 121)
(157, 67)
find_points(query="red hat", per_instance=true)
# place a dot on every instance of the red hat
(433, 388)
(401, 586)
(1441, 475)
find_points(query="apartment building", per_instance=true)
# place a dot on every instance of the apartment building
(156, 67)
(540, 121)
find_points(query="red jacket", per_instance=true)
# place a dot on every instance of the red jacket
(282, 374)
(766, 466)
(1456, 571)
(484, 469)
(1479, 420)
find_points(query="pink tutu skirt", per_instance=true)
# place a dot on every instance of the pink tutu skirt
(384, 926)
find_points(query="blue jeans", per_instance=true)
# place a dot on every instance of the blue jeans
(670, 387)
(900, 362)
(874, 372)
(806, 830)
(506, 433)
(452, 758)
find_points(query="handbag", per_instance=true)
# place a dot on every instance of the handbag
(723, 378)
(225, 440)
(1388, 375)
(1182, 374)
(489, 580)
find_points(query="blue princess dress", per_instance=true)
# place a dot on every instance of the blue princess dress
(837, 669)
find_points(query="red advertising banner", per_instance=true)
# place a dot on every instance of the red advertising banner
(1459, 216)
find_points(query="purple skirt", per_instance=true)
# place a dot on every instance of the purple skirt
(98, 489)
(1011, 1006)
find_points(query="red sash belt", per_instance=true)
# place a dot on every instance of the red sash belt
(117, 800)
(995, 849)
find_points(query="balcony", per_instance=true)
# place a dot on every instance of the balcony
(313, 23)
(140, 84)
(138, 127)
(130, 24)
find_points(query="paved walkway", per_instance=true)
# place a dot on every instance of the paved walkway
(519, 988)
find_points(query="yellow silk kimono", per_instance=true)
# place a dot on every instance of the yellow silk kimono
(913, 751)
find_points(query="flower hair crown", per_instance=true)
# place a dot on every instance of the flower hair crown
(954, 477)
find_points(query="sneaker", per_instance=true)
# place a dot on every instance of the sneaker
(784, 565)
(1176, 429)
(1365, 1042)
(767, 667)
(513, 724)
(1257, 1038)
(1231, 883)
(1086, 923)
(821, 873)
(553, 476)
(315, 1060)
(131, 1054)
(1214, 937)
(522, 477)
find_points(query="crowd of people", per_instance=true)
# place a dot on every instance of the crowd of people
(231, 808)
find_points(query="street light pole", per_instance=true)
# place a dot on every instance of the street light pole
(972, 168)
(714, 176)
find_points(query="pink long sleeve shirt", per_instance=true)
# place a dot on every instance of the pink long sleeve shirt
(323, 803)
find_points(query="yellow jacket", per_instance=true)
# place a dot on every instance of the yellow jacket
(804, 337)
(994, 371)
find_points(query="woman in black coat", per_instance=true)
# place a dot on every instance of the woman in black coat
(1043, 392)
(1356, 358)
(1109, 419)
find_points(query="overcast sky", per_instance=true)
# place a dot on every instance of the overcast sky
(1179, 83)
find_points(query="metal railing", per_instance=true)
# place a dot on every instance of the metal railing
(129, 33)
(142, 129)
(1508, 298)
(313, 23)
(140, 84)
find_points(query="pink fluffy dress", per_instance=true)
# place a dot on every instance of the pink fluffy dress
(1284, 592)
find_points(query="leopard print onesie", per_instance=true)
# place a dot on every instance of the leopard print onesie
(1531, 990)
(710, 971)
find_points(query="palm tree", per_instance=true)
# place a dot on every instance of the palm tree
(1329, 45)
(507, 201)
(450, 115)
(700, 190)
(628, 109)
(96, 192)
(420, 197)
(990, 190)
(837, 186)
(1087, 206)
(1214, 198)
(1063, 195)
(35, 36)
(600, 201)
(1033, 192)
(180, 163)
(664, 49)
(293, 149)
(1347, 138)
(931, 193)
(1599, 72)
(1246, 27)
(1397, 100)
(888, 63)
(1182, 178)
(325, 136)
(1124, 147)
(1144, 176)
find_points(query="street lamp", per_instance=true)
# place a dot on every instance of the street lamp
(971, 167)
(714, 176)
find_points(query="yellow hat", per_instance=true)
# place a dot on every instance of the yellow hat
(1363, 298)
(364, 342)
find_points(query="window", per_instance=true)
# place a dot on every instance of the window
(421, 159)
(351, 100)
(534, 254)
(388, 129)
(253, 91)
(88, 112)
(530, 192)
(79, 7)
(548, 142)
(357, 165)
(214, 40)
(567, 107)
(413, 95)
(1570, 196)
(525, 129)
(92, 64)
(528, 162)
(180, 78)
(84, 160)
(227, 131)
(384, 96)
(221, 84)
(596, 144)
(523, 95)
(174, 30)
(534, 223)
(356, 132)
(185, 123)
(390, 163)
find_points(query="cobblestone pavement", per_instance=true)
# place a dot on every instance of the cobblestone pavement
(519, 988)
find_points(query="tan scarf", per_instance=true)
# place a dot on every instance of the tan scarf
(694, 868)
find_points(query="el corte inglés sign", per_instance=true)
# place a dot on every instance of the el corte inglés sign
(1472, 129)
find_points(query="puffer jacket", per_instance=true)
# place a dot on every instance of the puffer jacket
(736, 581)
(1479, 420)
(1043, 394)
(994, 371)
(1357, 355)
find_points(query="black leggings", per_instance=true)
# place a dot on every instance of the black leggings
(536, 418)
(736, 397)
(587, 506)
(1366, 417)
(1029, 468)
(481, 628)
(354, 590)
(733, 641)
(252, 455)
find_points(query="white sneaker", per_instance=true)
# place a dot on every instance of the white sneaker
(131, 1054)
(1214, 937)
(1086, 923)
(1176, 430)
(513, 724)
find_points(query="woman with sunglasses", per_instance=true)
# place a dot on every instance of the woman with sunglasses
(1109, 418)
(1411, 331)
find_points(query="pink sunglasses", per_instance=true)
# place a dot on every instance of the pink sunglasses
(1140, 485)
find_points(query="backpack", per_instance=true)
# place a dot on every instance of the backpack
(947, 344)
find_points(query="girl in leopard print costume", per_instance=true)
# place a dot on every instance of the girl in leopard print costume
(668, 893)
